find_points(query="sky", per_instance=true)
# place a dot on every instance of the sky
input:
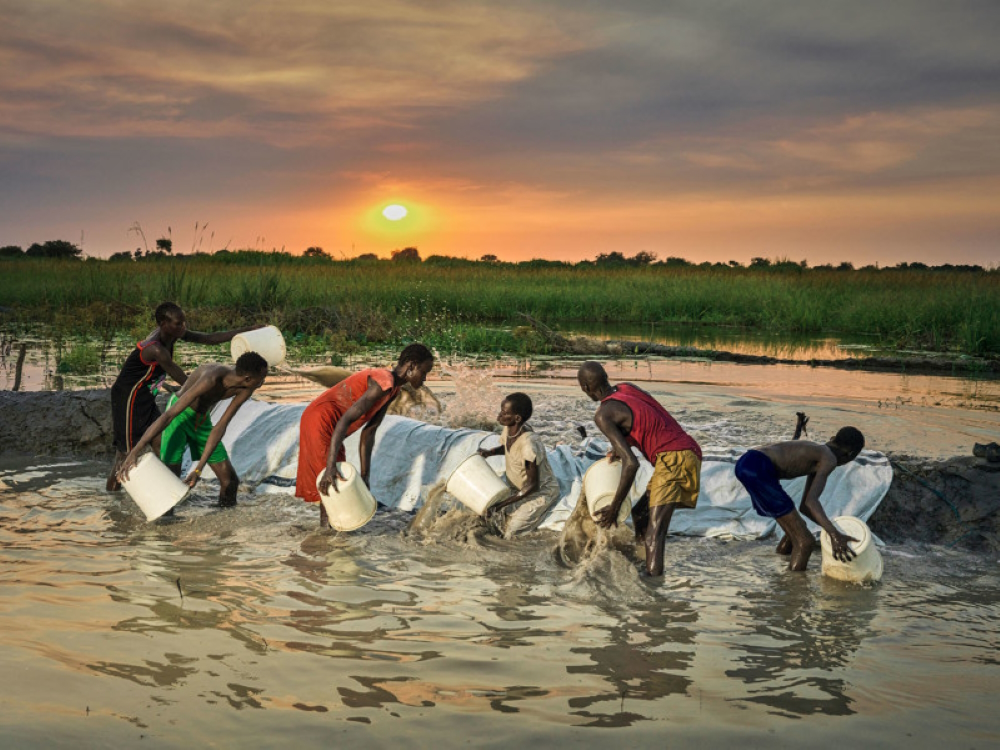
(819, 131)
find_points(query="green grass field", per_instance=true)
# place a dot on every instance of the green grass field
(473, 307)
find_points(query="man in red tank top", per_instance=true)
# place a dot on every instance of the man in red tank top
(357, 403)
(628, 416)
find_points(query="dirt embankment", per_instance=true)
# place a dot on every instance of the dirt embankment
(56, 422)
(955, 503)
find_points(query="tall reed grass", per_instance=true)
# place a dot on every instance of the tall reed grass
(383, 302)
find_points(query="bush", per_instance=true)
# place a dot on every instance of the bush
(80, 360)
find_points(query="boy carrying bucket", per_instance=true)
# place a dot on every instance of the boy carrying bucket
(527, 467)
(760, 469)
(187, 423)
(133, 396)
(359, 402)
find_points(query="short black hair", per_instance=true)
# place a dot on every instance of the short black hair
(416, 353)
(167, 310)
(251, 363)
(850, 439)
(520, 404)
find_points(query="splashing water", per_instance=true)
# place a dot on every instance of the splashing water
(476, 400)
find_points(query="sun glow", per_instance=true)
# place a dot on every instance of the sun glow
(394, 212)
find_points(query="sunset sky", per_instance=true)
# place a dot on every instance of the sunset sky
(826, 131)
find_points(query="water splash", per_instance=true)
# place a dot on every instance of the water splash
(476, 400)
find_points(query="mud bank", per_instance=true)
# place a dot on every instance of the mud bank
(873, 364)
(953, 502)
(56, 422)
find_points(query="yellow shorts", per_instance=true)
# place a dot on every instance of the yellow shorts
(676, 479)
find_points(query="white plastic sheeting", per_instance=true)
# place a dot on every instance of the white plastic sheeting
(410, 455)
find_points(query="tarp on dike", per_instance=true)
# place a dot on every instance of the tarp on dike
(410, 456)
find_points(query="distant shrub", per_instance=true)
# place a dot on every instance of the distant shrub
(80, 360)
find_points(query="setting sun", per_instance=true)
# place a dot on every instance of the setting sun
(394, 212)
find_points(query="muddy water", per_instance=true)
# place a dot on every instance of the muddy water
(250, 627)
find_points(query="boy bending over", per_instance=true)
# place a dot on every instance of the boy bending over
(187, 423)
(760, 469)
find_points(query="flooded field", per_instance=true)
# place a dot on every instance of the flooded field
(251, 627)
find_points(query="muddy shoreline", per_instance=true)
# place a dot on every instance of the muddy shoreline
(914, 365)
(953, 502)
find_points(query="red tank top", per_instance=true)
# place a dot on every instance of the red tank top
(653, 431)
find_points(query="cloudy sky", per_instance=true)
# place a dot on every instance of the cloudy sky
(827, 131)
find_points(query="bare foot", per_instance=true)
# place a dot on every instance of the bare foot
(113, 485)
(784, 546)
(801, 555)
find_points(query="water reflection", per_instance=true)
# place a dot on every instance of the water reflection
(802, 637)
(640, 661)
(731, 339)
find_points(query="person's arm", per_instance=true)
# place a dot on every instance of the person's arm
(801, 420)
(182, 403)
(367, 441)
(531, 485)
(811, 508)
(162, 356)
(487, 452)
(353, 414)
(219, 337)
(215, 436)
(609, 423)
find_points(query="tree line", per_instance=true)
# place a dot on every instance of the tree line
(63, 249)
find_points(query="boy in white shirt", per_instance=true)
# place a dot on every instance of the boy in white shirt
(535, 487)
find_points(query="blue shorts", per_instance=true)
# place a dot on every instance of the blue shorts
(757, 473)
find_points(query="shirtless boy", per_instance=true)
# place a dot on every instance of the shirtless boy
(628, 416)
(760, 470)
(528, 471)
(187, 422)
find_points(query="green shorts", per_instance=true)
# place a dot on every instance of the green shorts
(188, 430)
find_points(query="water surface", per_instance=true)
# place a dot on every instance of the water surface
(250, 627)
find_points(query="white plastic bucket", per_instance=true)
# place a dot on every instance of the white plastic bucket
(476, 485)
(867, 566)
(154, 487)
(267, 342)
(600, 484)
(351, 505)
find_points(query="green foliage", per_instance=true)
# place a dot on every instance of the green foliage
(80, 360)
(54, 249)
(11, 251)
(476, 304)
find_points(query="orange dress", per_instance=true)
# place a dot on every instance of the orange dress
(320, 419)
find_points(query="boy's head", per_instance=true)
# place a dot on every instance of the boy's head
(415, 361)
(593, 380)
(252, 367)
(170, 318)
(847, 444)
(515, 410)
(168, 310)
